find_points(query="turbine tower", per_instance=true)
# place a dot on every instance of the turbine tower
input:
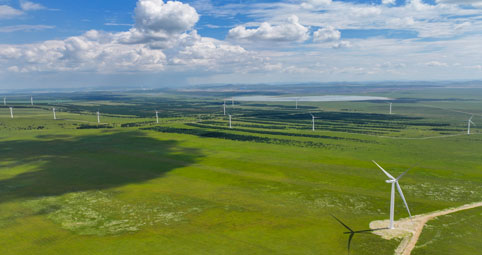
(31, 100)
(230, 121)
(5, 101)
(313, 121)
(55, 116)
(11, 112)
(157, 116)
(468, 124)
(394, 182)
(224, 107)
(98, 117)
(390, 108)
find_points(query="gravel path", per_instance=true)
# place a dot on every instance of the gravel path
(410, 228)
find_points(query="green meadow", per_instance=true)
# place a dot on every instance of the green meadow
(192, 185)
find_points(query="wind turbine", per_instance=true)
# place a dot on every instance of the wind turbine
(390, 108)
(468, 124)
(157, 116)
(5, 101)
(230, 121)
(232, 101)
(352, 232)
(31, 100)
(313, 120)
(394, 182)
(98, 116)
(224, 107)
(11, 112)
(55, 116)
(297, 103)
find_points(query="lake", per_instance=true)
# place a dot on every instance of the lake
(328, 98)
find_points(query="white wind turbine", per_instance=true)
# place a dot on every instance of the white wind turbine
(5, 101)
(313, 121)
(55, 116)
(468, 124)
(232, 101)
(31, 100)
(11, 112)
(394, 182)
(98, 117)
(390, 108)
(297, 102)
(157, 116)
(230, 121)
(224, 107)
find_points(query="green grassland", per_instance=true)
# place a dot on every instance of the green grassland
(191, 185)
(458, 233)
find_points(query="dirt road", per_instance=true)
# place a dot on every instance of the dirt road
(410, 229)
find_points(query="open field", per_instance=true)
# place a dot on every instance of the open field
(191, 185)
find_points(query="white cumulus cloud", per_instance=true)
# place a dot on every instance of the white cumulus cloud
(31, 6)
(326, 34)
(92, 51)
(286, 32)
(159, 23)
(162, 36)
(170, 18)
(7, 12)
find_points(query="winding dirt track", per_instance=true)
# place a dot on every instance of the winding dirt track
(410, 229)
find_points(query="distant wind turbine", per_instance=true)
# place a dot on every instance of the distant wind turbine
(351, 232)
(394, 182)
(157, 116)
(224, 107)
(468, 124)
(5, 101)
(390, 108)
(230, 121)
(11, 112)
(98, 117)
(313, 120)
(31, 100)
(55, 116)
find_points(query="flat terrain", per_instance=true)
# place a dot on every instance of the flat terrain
(191, 185)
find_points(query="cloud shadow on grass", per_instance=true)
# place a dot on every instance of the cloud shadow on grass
(91, 162)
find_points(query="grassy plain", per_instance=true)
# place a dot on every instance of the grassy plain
(190, 185)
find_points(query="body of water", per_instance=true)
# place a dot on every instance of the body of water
(330, 98)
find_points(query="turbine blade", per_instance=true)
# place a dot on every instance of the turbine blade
(473, 123)
(351, 230)
(389, 175)
(400, 176)
(369, 230)
(349, 241)
(403, 198)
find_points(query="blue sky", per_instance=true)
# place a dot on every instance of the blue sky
(149, 43)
